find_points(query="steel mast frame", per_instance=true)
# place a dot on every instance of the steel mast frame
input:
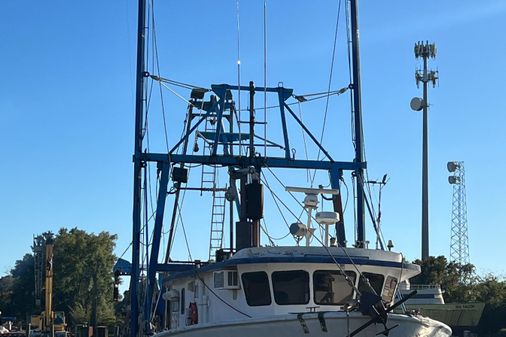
(459, 242)
(165, 161)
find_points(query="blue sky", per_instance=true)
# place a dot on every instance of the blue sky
(67, 108)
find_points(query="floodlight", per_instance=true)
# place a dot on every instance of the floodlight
(454, 180)
(452, 166)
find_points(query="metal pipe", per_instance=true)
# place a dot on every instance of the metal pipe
(251, 119)
(335, 175)
(425, 165)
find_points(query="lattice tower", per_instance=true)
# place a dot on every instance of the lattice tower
(459, 245)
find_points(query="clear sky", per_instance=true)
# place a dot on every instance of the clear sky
(67, 107)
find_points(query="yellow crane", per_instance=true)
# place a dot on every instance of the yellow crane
(48, 323)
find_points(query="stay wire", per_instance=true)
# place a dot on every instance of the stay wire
(238, 19)
(177, 83)
(157, 65)
(329, 85)
(325, 247)
(265, 78)
(274, 196)
(308, 172)
(291, 194)
(349, 47)
(312, 96)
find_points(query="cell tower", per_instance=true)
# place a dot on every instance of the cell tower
(425, 50)
(459, 244)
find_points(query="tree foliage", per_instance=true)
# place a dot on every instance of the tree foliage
(83, 278)
(453, 277)
(82, 284)
(18, 289)
(461, 284)
(6, 284)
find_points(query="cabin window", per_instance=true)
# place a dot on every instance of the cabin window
(375, 280)
(256, 288)
(331, 286)
(219, 279)
(232, 278)
(388, 292)
(291, 287)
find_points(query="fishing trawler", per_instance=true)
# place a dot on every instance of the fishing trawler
(318, 286)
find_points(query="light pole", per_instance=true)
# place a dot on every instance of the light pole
(425, 51)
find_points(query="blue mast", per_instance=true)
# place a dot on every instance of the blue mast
(357, 109)
(136, 214)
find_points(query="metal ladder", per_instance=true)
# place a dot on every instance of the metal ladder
(209, 181)
(217, 222)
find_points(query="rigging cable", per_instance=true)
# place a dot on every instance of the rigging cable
(239, 73)
(313, 96)
(180, 219)
(171, 239)
(349, 47)
(265, 78)
(266, 233)
(347, 195)
(274, 196)
(177, 83)
(157, 65)
(221, 299)
(325, 247)
(398, 291)
(284, 204)
(317, 239)
(329, 85)
(367, 191)
(308, 172)
(271, 238)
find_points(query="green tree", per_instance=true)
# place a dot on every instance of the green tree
(454, 278)
(462, 285)
(23, 286)
(83, 280)
(492, 291)
(82, 283)
(6, 284)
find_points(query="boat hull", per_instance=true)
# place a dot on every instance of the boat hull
(310, 324)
